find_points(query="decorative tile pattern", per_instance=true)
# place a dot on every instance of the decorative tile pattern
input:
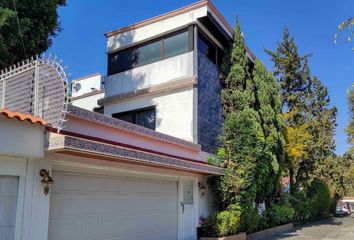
(188, 192)
(116, 123)
(210, 115)
(82, 145)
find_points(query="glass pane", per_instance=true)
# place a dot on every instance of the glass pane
(176, 44)
(188, 192)
(8, 206)
(146, 118)
(120, 62)
(148, 53)
(207, 48)
(220, 56)
(126, 116)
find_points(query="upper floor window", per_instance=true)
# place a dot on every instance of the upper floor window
(209, 49)
(164, 47)
(143, 117)
(206, 47)
(148, 53)
(120, 61)
(176, 44)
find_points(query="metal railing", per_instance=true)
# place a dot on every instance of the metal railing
(37, 86)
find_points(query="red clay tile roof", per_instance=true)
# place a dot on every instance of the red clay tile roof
(23, 117)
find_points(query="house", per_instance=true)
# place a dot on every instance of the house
(137, 171)
(163, 73)
(86, 91)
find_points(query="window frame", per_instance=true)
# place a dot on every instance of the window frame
(216, 46)
(189, 29)
(134, 115)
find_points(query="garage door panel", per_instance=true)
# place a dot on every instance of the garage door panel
(90, 228)
(108, 226)
(68, 229)
(107, 207)
(64, 206)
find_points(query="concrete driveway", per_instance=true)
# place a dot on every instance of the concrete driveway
(332, 229)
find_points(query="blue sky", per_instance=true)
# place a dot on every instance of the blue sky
(82, 46)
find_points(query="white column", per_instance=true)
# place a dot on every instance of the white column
(36, 209)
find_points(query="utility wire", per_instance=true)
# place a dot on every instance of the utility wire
(19, 30)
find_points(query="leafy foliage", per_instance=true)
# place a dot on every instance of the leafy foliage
(309, 118)
(223, 223)
(260, 143)
(346, 25)
(281, 214)
(38, 20)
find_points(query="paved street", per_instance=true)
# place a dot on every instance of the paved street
(338, 229)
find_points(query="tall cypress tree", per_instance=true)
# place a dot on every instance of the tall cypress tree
(240, 129)
(268, 107)
(252, 134)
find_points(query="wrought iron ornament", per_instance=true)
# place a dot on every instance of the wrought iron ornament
(37, 86)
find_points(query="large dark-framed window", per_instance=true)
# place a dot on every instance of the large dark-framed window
(145, 117)
(163, 47)
(209, 49)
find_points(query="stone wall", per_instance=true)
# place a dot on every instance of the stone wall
(209, 104)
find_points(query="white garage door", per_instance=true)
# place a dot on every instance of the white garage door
(96, 207)
(8, 206)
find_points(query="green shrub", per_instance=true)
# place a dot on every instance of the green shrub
(224, 223)
(320, 199)
(301, 205)
(281, 214)
(250, 220)
(313, 201)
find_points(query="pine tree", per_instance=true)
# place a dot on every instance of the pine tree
(322, 123)
(293, 74)
(310, 120)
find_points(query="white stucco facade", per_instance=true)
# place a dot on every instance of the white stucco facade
(86, 85)
(88, 102)
(21, 151)
(171, 69)
(72, 208)
(86, 91)
(174, 111)
(21, 139)
(130, 37)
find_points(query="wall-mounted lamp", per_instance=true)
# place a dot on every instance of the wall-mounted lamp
(47, 181)
(202, 188)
